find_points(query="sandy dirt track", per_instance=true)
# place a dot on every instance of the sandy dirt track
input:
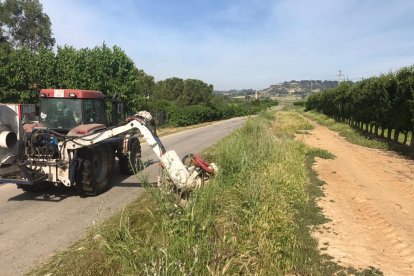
(370, 200)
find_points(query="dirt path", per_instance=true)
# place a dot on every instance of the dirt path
(370, 199)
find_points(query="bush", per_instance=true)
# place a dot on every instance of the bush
(300, 103)
(195, 114)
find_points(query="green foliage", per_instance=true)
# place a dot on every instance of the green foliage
(29, 64)
(20, 75)
(299, 103)
(173, 101)
(168, 89)
(385, 102)
(194, 114)
(191, 115)
(195, 92)
(23, 23)
(102, 68)
(357, 137)
(183, 92)
(105, 69)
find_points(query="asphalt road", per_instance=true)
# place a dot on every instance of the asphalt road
(35, 225)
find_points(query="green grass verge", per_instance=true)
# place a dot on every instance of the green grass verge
(346, 131)
(254, 217)
(359, 137)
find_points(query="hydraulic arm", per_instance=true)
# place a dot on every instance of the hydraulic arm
(84, 156)
(184, 177)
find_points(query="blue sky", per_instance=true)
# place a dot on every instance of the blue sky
(244, 44)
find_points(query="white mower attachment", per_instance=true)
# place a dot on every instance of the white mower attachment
(189, 173)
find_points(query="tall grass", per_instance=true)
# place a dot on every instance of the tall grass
(359, 137)
(254, 217)
(352, 135)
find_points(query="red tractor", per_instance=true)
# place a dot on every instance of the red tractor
(66, 115)
(73, 144)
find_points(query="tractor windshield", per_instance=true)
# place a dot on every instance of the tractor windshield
(60, 113)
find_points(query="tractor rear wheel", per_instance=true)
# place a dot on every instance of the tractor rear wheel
(131, 163)
(94, 170)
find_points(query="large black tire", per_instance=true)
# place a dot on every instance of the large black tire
(131, 163)
(94, 170)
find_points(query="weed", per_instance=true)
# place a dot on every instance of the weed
(254, 217)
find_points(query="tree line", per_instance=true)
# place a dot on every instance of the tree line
(25, 72)
(29, 64)
(174, 101)
(378, 105)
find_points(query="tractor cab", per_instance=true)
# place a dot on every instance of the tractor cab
(64, 109)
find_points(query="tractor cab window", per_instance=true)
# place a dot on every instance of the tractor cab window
(60, 113)
(65, 114)
(94, 111)
(100, 109)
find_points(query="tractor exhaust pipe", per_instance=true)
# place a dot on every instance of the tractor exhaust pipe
(8, 139)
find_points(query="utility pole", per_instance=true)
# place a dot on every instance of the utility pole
(340, 76)
(311, 85)
(256, 94)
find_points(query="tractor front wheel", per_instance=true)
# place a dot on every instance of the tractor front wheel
(95, 168)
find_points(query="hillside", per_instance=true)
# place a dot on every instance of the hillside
(301, 87)
(298, 87)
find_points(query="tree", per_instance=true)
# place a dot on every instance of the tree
(23, 23)
(385, 102)
(404, 101)
(183, 92)
(20, 75)
(109, 70)
(195, 92)
(169, 89)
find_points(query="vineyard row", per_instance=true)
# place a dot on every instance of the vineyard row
(381, 105)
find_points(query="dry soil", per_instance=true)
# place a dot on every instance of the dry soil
(370, 200)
